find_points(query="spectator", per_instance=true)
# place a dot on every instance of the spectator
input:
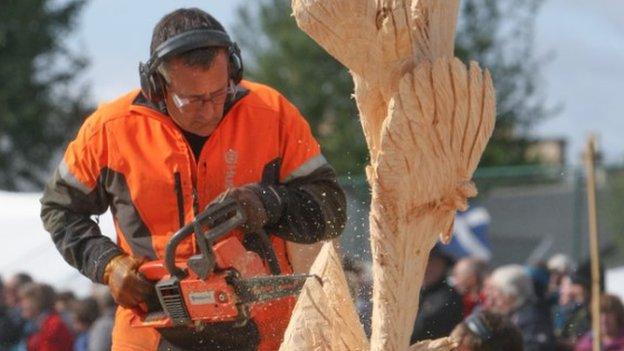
(510, 292)
(84, 313)
(10, 331)
(559, 266)
(63, 305)
(11, 297)
(611, 326)
(440, 305)
(540, 276)
(50, 332)
(467, 277)
(100, 335)
(12, 288)
(487, 331)
(571, 315)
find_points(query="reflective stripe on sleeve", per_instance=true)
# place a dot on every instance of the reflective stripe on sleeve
(307, 168)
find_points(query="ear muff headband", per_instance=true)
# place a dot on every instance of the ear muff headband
(153, 84)
(475, 324)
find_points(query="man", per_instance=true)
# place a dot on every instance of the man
(467, 277)
(194, 132)
(487, 331)
(510, 292)
(10, 330)
(440, 305)
(571, 316)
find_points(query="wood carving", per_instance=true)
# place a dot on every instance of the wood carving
(442, 344)
(325, 317)
(426, 117)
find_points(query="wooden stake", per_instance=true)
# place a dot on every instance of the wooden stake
(593, 240)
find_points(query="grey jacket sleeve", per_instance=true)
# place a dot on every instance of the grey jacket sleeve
(66, 210)
(307, 209)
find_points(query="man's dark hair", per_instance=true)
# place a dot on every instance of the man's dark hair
(499, 334)
(184, 20)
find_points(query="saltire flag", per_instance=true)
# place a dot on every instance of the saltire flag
(470, 235)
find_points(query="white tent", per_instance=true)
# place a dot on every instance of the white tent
(27, 247)
(614, 279)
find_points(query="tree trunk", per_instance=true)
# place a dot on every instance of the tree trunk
(426, 118)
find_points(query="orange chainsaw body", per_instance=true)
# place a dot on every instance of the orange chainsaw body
(207, 300)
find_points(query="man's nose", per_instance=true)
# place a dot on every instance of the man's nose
(207, 109)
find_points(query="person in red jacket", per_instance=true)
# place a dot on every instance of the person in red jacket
(49, 332)
(196, 132)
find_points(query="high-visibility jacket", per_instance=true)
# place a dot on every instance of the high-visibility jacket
(133, 158)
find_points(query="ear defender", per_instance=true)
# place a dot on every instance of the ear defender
(236, 63)
(477, 326)
(153, 84)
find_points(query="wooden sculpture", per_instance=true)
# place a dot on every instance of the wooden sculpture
(426, 118)
(325, 317)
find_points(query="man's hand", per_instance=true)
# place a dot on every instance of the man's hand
(127, 286)
(248, 199)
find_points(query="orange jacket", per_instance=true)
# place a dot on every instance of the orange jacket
(134, 159)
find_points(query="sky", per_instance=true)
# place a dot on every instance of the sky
(584, 76)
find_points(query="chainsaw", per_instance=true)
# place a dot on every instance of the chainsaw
(221, 283)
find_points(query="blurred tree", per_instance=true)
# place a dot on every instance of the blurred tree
(498, 34)
(37, 108)
(277, 53)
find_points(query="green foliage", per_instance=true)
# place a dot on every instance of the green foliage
(279, 54)
(37, 109)
(499, 35)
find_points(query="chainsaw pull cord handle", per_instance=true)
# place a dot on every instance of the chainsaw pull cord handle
(269, 253)
(221, 218)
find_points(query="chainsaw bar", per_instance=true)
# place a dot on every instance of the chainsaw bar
(270, 287)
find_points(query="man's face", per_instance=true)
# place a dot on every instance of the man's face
(570, 292)
(30, 309)
(609, 323)
(196, 96)
(463, 277)
(10, 293)
(497, 301)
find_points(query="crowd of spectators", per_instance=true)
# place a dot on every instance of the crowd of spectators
(537, 307)
(36, 317)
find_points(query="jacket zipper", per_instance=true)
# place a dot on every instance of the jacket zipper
(180, 197)
(195, 201)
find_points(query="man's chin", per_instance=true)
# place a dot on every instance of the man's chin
(201, 130)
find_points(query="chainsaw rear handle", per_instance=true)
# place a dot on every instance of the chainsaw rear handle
(221, 218)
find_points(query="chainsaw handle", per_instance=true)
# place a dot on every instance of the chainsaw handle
(221, 218)
(269, 253)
